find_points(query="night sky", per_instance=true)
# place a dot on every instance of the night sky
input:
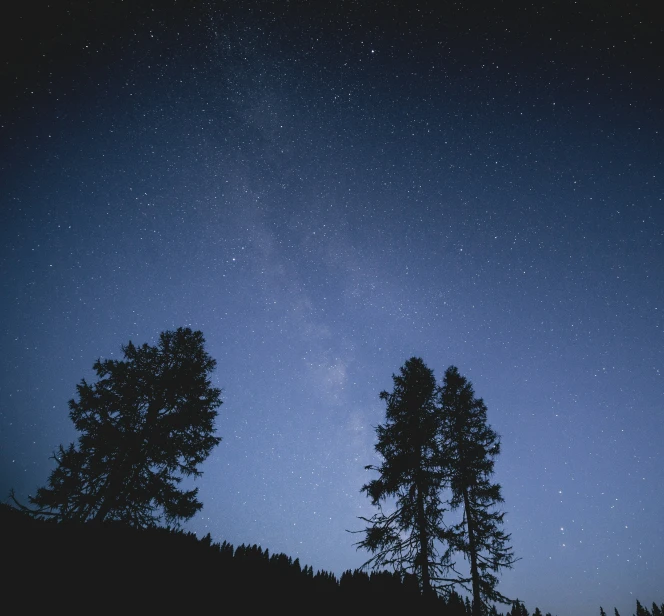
(326, 190)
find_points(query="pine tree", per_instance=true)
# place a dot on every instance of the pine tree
(518, 609)
(640, 610)
(601, 611)
(146, 423)
(470, 446)
(407, 539)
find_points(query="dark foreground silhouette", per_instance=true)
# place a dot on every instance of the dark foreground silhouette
(91, 567)
(111, 567)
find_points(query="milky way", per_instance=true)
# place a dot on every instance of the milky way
(325, 193)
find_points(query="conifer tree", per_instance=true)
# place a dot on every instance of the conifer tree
(469, 447)
(145, 424)
(640, 610)
(407, 538)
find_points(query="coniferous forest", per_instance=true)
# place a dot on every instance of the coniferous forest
(105, 530)
(123, 568)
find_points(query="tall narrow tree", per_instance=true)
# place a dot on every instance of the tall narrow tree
(470, 447)
(407, 538)
(145, 424)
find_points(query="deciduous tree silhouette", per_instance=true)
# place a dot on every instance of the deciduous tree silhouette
(470, 447)
(407, 538)
(145, 424)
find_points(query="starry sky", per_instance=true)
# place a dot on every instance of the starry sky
(326, 190)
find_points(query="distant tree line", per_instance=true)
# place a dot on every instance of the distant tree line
(114, 566)
(656, 610)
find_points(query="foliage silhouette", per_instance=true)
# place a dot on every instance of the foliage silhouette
(436, 441)
(407, 539)
(470, 446)
(145, 424)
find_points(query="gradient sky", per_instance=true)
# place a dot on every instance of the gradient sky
(326, 192)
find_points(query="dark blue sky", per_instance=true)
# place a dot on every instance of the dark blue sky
(326, 192)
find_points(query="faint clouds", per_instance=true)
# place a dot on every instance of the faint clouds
(329, 377)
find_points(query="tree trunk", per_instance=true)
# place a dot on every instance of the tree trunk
(116, 478)
(474, 573)
(424, 544)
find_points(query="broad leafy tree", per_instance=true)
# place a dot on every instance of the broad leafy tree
(406, 534)
(470, 447)
(145, 424)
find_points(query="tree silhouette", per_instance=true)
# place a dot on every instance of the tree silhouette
(146, 423)
(406, 538)
(470, 446)
(518, 609)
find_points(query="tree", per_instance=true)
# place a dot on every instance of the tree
(470, 447)
(145, 424)
(407, 538)
(640, 610)
(518, 609)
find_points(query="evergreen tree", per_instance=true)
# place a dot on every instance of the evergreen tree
(640, 610)
(147, 422)
(455, 605)
(519, 609)
(470, 447)
(656, 610)
(537, 612)
(616, 612)
(407, 539)
(601, 611)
